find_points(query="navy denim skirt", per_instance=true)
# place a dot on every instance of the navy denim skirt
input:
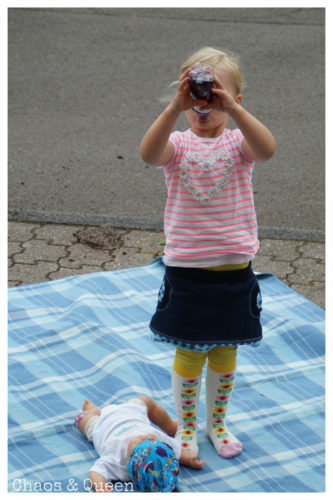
(202, 307)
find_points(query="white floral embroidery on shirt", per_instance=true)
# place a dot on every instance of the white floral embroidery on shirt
(195, 161)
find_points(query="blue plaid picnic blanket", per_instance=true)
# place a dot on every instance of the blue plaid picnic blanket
(87, 336)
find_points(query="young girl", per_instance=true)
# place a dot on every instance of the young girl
(209, 301)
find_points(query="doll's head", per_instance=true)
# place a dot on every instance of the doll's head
(219, 60)
(153, 466)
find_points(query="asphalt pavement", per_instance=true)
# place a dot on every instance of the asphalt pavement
(85, 84)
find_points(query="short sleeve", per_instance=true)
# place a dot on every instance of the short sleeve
(104, 466)
(110, 468)
(175, 445)
(238, 137)
(175, 138)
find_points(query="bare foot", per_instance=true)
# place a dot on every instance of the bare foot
(89, 411)
(90, 408)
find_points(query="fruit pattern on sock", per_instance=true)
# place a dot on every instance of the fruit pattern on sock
(222, 400)
(189, 424)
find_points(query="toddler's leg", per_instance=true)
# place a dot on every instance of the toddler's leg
(81, 420)
(220, 377)
(186, 384)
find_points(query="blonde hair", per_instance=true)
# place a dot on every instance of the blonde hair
(218, 59)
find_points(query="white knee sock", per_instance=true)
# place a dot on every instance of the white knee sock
(218, 391)
(186, 392)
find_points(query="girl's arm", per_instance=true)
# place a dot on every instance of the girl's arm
(155, 147)
(258, 143)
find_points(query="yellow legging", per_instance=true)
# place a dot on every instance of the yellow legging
(190, 363)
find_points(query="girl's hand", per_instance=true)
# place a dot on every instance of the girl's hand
(223, 101)
(183, 100)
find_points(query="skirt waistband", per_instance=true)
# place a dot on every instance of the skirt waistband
(228, 267)
(201, 275)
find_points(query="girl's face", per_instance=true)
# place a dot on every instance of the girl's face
(213, 123)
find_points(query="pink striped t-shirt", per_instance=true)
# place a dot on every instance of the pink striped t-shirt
(209, 218)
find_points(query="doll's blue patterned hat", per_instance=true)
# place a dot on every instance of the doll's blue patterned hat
(153, 466)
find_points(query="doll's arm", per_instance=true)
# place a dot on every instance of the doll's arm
(187, 458)
(99, 483)
(159, 416)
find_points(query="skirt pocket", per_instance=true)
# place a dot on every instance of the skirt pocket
(164, 295)
(255, 301)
